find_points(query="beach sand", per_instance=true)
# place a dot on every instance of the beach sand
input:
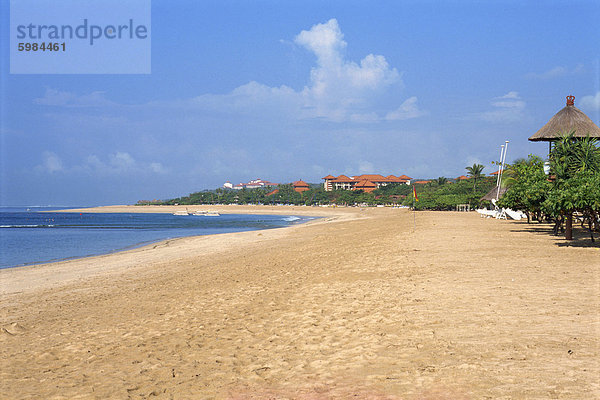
(353, 305)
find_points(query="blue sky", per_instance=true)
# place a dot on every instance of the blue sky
(299, 90)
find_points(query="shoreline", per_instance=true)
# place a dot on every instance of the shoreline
(223, 209)
(358, 304)
(144, 210)
(62, 272)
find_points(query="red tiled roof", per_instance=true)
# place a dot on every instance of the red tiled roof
(495, 173)
(462, 177)
(396, 179)
(364, 184)
(370, 177)
(300, 183)
(343, 178)
(273, 192)
(422, 182)
(380, 178)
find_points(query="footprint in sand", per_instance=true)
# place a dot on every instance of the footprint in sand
(13, 329)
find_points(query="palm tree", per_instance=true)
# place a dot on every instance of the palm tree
(571, 155)
(441, 181)
(571, 158)
(475, 172)
(509, 174)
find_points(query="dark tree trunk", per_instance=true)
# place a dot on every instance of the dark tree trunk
(569, 227)
(558, 225)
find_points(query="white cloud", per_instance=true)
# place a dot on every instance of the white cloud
(556, 72)
(116, 163)
(50, 163)
(325, 40)
(365, 167)
(252, 98)
(364, 118)
(510, 95)
(339, 87)
(507, 108)
(121, 161)
(338, 90)
(94, 163)
(157, 168)
(54, 97)
(407, 110)
(591, 102)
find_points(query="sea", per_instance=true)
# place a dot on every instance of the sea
(33, 235)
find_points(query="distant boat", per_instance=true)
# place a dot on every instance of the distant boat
(181, 212)
(206, 214)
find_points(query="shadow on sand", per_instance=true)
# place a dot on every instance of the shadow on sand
(581, 237)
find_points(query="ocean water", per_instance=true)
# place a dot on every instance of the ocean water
(30, 236)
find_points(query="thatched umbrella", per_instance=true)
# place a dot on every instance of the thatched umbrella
(494, 194)
(569, 119)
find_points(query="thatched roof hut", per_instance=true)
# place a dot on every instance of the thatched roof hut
(566, 120)
(493, 194)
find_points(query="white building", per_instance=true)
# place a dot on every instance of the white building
(253, 184)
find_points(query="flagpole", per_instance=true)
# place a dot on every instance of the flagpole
(502, 162)
(414, 216)
(414, 209)
(499, 165)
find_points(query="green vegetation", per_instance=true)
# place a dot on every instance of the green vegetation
(446, 196)
(441, 181)
(286, 194)
(439, 194)
(475, 172)
(528, 187)
(573, 187)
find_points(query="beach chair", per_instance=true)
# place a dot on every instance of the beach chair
(501, 214)
(483, 213)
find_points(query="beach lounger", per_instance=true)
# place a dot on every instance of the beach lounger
(487, 213)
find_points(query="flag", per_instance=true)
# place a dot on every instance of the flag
(415, 194)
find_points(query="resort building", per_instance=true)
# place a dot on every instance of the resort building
(253, 184)
(367, 183)
(300, 186)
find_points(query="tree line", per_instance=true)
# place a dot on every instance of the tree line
(570, 191)
(438, 194)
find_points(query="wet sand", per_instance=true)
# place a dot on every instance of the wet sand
(354, 305)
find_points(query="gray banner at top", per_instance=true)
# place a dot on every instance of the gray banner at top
(80, 37)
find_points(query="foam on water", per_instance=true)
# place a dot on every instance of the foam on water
(31, 237)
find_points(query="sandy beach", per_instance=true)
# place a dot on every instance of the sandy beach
(356, 304)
